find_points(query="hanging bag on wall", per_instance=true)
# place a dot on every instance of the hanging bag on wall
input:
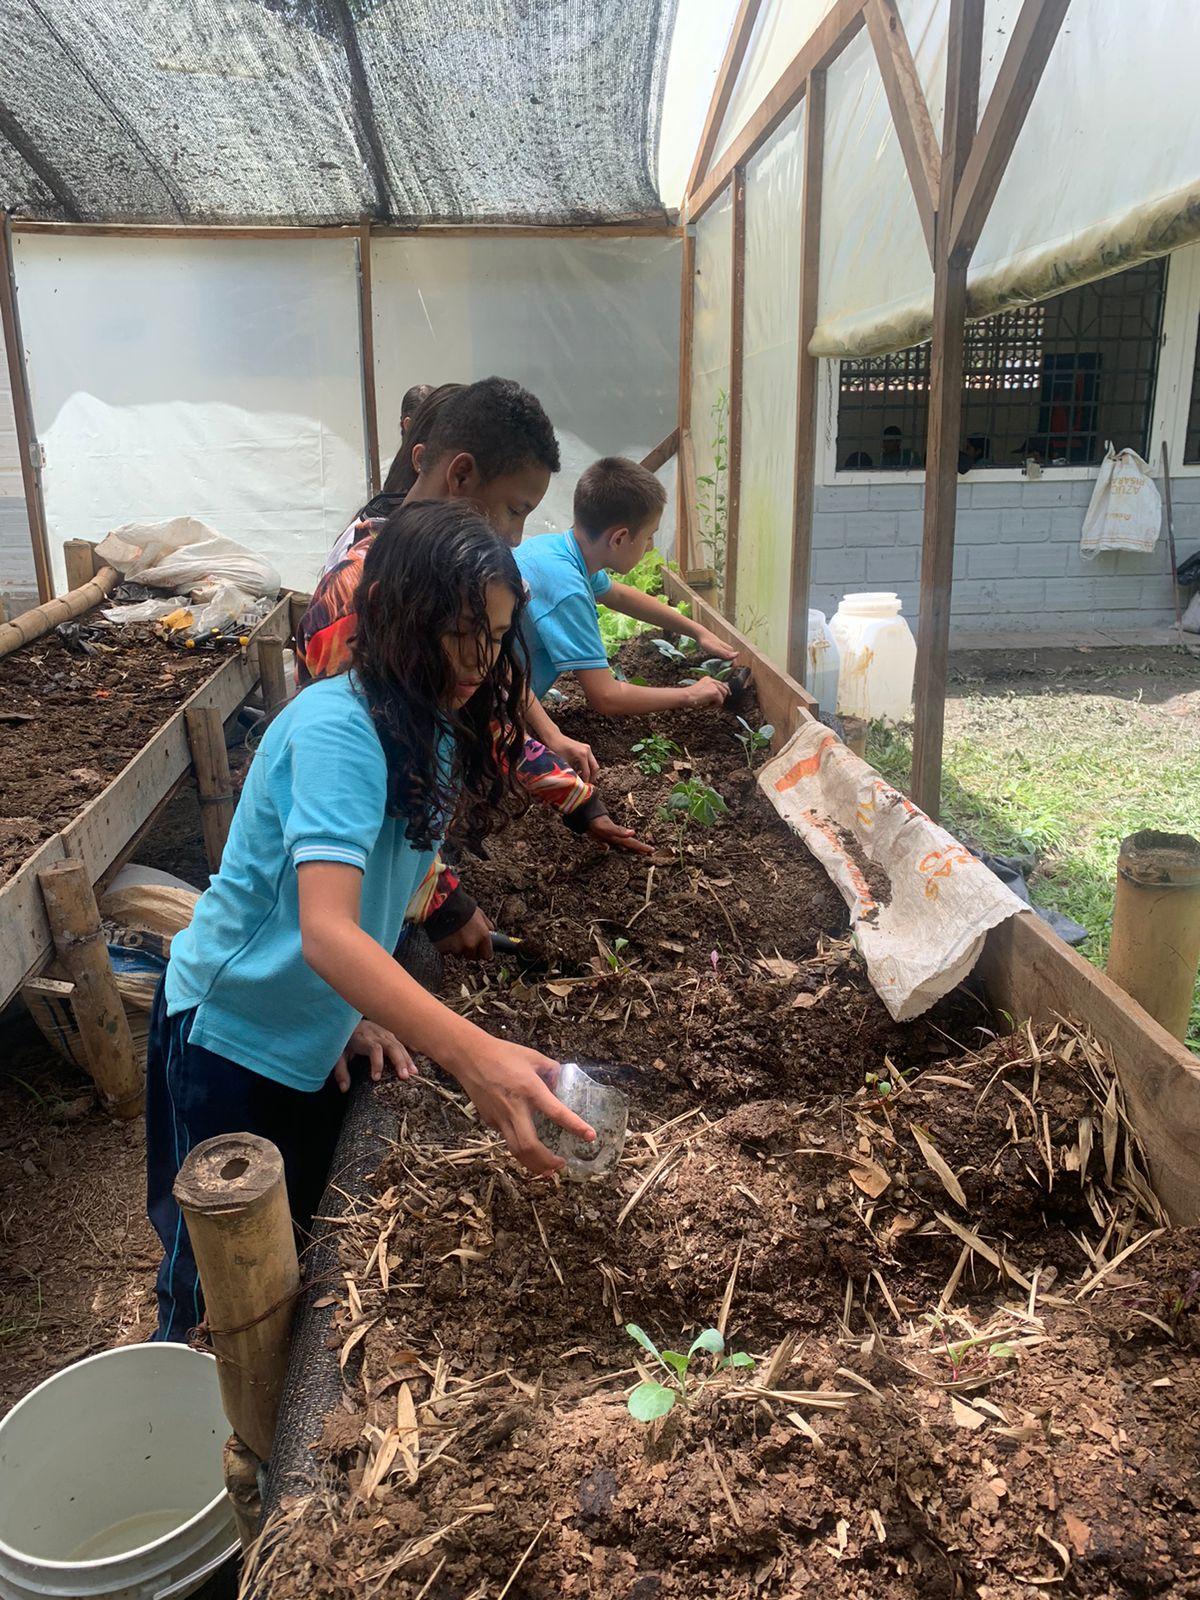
(1125, 512)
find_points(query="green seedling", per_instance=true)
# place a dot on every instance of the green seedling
(713, 667)
(754, 740)
(669, 650)
(692, 801)
(653, 754)
(651, 1399)
(879, 1083)
(614, 955)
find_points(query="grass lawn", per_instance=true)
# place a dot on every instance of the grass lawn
(1059, 754)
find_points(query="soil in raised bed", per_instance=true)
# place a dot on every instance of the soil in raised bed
(962, 1387)
(70, 721)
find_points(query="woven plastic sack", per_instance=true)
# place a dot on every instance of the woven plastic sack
(183, 555)
(920, 903)
(1125, 511)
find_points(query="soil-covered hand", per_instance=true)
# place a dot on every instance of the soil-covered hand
(380, 1047)
(605, 831)
(707, 692)
(507, 1084)
(576, 754)
(473, 941)
(711, 645)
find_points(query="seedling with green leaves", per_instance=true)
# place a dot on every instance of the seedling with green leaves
(653, 753)
(692, 801)
(670, 651)
(754, 740)
(651, 1399)
(711, 667)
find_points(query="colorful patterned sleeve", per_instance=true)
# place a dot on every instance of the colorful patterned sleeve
(553, 783)
(325, 632)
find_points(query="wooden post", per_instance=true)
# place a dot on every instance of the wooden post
(22, 402)
(232, 1193)
(241, 1485)
(298, 604)
(210, 760)
(33, 624)
(79, 558)
(735, 53)
(855, 731)
(807, 378)
(1155, 949)
(965, 44)
(366, 344)
(271, 674)
(685, 534)
(74, 919)
(737, 350)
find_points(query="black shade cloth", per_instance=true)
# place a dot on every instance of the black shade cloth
(323, 111)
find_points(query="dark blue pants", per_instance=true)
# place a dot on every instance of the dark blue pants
(193, 1095)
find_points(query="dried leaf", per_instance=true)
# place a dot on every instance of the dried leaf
(778, 967)
(356, 1334)
(965, 1416)
(1078, 1532)
(804, 1001)
(938, 1164)
(870, 1177)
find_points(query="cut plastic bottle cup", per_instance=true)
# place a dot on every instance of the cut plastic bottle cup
(603, 1108)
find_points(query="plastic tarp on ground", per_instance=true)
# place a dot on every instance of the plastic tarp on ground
(1105, 172)
(591, 326)
(774, 194)
(217, 380)
(326, 110)
(221, 379)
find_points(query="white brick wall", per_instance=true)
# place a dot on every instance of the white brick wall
(1017, 565)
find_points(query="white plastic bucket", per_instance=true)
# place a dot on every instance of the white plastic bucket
(111, 1480)
(823, 663)
(879, 657)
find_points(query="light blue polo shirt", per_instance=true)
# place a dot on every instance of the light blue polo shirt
(560, 626)
(316, 791)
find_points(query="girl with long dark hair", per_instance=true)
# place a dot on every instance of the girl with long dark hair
(344, 808)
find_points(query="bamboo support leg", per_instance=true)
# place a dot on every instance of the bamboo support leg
(1155, 947)
(271, 674)
(241, 1485)
(74, 919)
(210, 759)
(232, 1193)
(79, 558)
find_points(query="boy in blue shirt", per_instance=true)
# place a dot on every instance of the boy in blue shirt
(618, 507)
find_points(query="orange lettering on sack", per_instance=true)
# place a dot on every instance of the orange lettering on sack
(941, 864)
(805, 768)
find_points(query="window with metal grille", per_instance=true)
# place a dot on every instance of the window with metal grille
(1191, 443)
(1051, 381)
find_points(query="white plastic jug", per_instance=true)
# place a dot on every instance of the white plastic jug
(111, 1482)
(879, 658)
(823, 662)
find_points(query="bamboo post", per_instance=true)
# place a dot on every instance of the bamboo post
(79, 558)
(33, 624)
(271, 675)
(1155, 949)
(233, 1196)
(298, 604)
(241, 1485)
(855, 731)
(74, 919)
(210, 760)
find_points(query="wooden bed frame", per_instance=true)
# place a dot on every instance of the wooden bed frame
(1030, 974)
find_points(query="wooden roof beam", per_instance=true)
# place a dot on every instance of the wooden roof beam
(910, 111)
(731, 65)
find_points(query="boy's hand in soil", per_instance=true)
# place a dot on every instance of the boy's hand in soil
(707, 692)
(607, 832)
(507, 1084)
(473, 941)
(380, 1047)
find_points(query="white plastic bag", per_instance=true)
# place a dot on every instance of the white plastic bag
(1125, 512)
(183, 554)
(920, 903)
(145, 610)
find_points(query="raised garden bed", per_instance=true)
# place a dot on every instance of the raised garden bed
(970, 1337)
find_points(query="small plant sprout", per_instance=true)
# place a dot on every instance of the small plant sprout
(671, 651)
(692, 801)
(654, 752)
(753, 740)
(651, 1399)
(879, 1083)
(713, 667)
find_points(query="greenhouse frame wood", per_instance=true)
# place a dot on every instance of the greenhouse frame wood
(953, 190)
(1029, 973)
(103, 831)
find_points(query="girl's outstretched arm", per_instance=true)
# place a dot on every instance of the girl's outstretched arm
(506, 1082)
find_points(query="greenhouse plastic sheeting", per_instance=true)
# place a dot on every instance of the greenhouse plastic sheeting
(323, 111)
(591, 326)
(1093, 186)
(710, 359)
(774, 194)
(781, 30)
(214, 380)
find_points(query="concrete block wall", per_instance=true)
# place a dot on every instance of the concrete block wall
(1017, 566)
